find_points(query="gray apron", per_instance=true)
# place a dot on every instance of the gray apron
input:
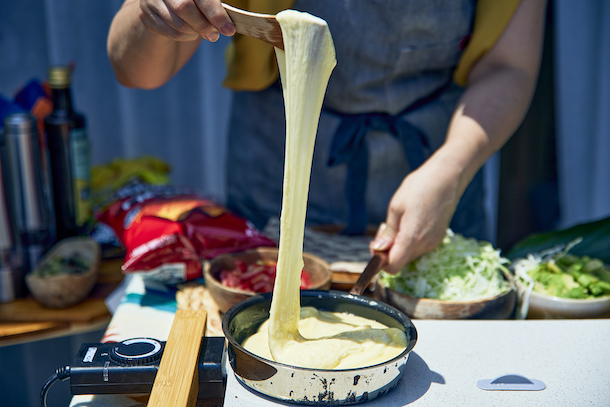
(387, 107)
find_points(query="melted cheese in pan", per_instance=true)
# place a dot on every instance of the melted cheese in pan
(307, 337)
(329, 340)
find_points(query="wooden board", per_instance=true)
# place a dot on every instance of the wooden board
(92, 309)
(19, 329)
(176, 383)
(26, 319)
(30, 310)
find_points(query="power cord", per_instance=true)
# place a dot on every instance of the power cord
(63, 374)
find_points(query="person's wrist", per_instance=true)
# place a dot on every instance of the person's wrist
(456, 168)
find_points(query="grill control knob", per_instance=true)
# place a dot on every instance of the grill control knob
(137, 351)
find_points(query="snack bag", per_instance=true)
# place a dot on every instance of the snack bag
(167, 234)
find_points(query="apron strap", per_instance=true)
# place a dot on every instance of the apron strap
(349, 147)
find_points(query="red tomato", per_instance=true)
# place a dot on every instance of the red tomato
(305, 280)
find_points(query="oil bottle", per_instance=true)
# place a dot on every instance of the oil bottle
(69, 157)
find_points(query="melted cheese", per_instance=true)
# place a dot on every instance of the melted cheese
(332, 340)
(307, 337)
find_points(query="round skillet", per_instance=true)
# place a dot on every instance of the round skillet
(314, 386)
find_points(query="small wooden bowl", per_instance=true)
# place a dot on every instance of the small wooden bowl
(498, 307)
(66, 290)
(318, 269)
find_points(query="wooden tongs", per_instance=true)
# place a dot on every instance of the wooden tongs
(262, 26)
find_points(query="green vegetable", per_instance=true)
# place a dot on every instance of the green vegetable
(460, 269)
(75, 264)
(557, 273)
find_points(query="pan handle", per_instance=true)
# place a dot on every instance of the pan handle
(379, 260)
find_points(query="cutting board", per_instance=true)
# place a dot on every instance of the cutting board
(26, 317)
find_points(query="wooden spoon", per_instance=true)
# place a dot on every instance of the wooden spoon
(262, 26)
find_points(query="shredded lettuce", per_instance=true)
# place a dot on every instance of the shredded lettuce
(460, 269)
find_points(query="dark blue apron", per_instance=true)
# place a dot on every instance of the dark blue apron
(387, 108)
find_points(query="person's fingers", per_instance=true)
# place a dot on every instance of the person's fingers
(158, 17)
(216, 15)
(400, 253)
(192, 19)
(384, 238)
(186, 20)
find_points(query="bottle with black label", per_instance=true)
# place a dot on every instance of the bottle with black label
(69, 156)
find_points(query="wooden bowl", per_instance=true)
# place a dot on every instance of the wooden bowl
(66, 289)
(318, 269)
(498, 307)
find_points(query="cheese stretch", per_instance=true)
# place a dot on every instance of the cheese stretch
(308, 337)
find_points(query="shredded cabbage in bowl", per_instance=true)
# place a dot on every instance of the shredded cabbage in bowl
(460, 269)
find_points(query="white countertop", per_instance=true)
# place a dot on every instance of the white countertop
(572, 357)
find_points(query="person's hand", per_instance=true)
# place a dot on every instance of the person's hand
(186, 20)
(418, 215)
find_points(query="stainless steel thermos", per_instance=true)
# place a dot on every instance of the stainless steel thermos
(10, 271)
(25, 189)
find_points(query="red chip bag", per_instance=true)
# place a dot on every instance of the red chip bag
(167, 235)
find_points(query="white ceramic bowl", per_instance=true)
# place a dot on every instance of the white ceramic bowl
(543, 306)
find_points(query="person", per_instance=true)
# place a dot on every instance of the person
(420, 98)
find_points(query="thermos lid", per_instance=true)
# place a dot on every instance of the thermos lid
(19, 123)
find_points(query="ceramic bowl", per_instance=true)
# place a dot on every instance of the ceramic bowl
(66, 289)
(498, 307)
(543, 306)
(318, 269)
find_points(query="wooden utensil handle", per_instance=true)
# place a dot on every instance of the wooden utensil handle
(262, 26)
(379, 260)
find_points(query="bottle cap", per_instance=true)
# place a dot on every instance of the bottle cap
(59, 76)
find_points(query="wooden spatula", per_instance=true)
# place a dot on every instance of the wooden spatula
(377, 262)
(262, 26)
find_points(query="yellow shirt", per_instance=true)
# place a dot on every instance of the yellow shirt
(251, 63)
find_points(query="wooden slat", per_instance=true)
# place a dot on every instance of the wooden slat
(176, 383)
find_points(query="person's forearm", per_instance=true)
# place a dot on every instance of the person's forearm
(498, 96)
(141, 58)
(488, 114)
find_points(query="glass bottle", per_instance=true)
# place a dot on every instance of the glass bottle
(69, 156)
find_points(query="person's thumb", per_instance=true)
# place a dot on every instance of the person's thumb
(384, 238)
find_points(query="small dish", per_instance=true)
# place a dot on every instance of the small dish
(63, 289)
(319, 272)
(541, 306)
